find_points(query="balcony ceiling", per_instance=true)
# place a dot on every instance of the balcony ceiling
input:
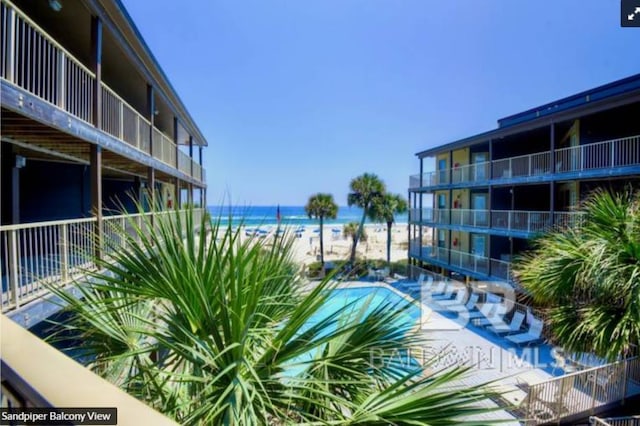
(35, 141)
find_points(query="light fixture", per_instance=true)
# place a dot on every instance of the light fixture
(156, 112)
(55, 5)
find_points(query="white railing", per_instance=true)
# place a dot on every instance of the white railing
(501, 269)
(184, 162)
(469, 217)
(615, 421)
(476, 172)
(480, 264)
(518, 220)
(523, 165)
(429, 179)
(34, 61)
(568, 219)
(36, 255)
(469, 261)
(599, 155)
(581, 392)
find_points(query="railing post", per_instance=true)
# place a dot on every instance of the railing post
(121, 113)
(64, 251)
(138, 131)
(14, 273)
(625, 366)
(11, 43)
(530, 171)
(613, 153)
(593, 391)
(62, 80)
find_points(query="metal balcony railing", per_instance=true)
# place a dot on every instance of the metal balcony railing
(510, 220)
(36, 255)
(32, 60)
(581, 392)
(523, 165)
(600, 155)
(518, 220)
(468, 217)
(476, 172)
(463, 260)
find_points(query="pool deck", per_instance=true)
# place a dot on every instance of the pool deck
(490, 358)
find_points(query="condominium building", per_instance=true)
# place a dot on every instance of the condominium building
(91, 127)
(478, 201)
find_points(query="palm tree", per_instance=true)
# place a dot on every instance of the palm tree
(222, 331)
(364, 190)
(321, 206)
(384, 209)
(351, 230)
(588, 277)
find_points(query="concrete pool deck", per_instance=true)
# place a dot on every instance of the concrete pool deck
(490, 358)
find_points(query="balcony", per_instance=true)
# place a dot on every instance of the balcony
(37, 255)
(468, 263)
(610, 154)
(33, 61)
(530, 222)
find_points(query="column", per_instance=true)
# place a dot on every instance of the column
(552, 184)
(95, 165)
(151, 173)
(96, 67)
(175, 141)
(95, 160)
(420, 206)
(191, 156)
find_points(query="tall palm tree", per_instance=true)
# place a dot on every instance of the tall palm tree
(384, 209)
(321, 206)
(222, 331)
(364, 190)
(589, 276)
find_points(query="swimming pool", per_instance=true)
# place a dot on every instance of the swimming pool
(355, 304)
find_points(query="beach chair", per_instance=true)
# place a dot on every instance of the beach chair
(448, 293)
(438, 289)
(532, 335)
(485, 311)
(461, 296)
(495, 319)
(512, 327)
(469, 307)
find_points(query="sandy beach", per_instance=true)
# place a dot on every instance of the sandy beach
(306, 247)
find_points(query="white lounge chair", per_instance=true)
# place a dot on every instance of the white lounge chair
(461, 295)
(485, 311)
(495, 319)
(469, 307)
(438, 289)
(530, 336)
(448, 293)
(513, 326)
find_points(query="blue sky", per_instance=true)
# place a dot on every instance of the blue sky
(300, 96)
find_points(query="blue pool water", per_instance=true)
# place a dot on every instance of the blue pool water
(366, 299)
(360, 302)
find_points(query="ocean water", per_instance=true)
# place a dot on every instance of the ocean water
(290, 215)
